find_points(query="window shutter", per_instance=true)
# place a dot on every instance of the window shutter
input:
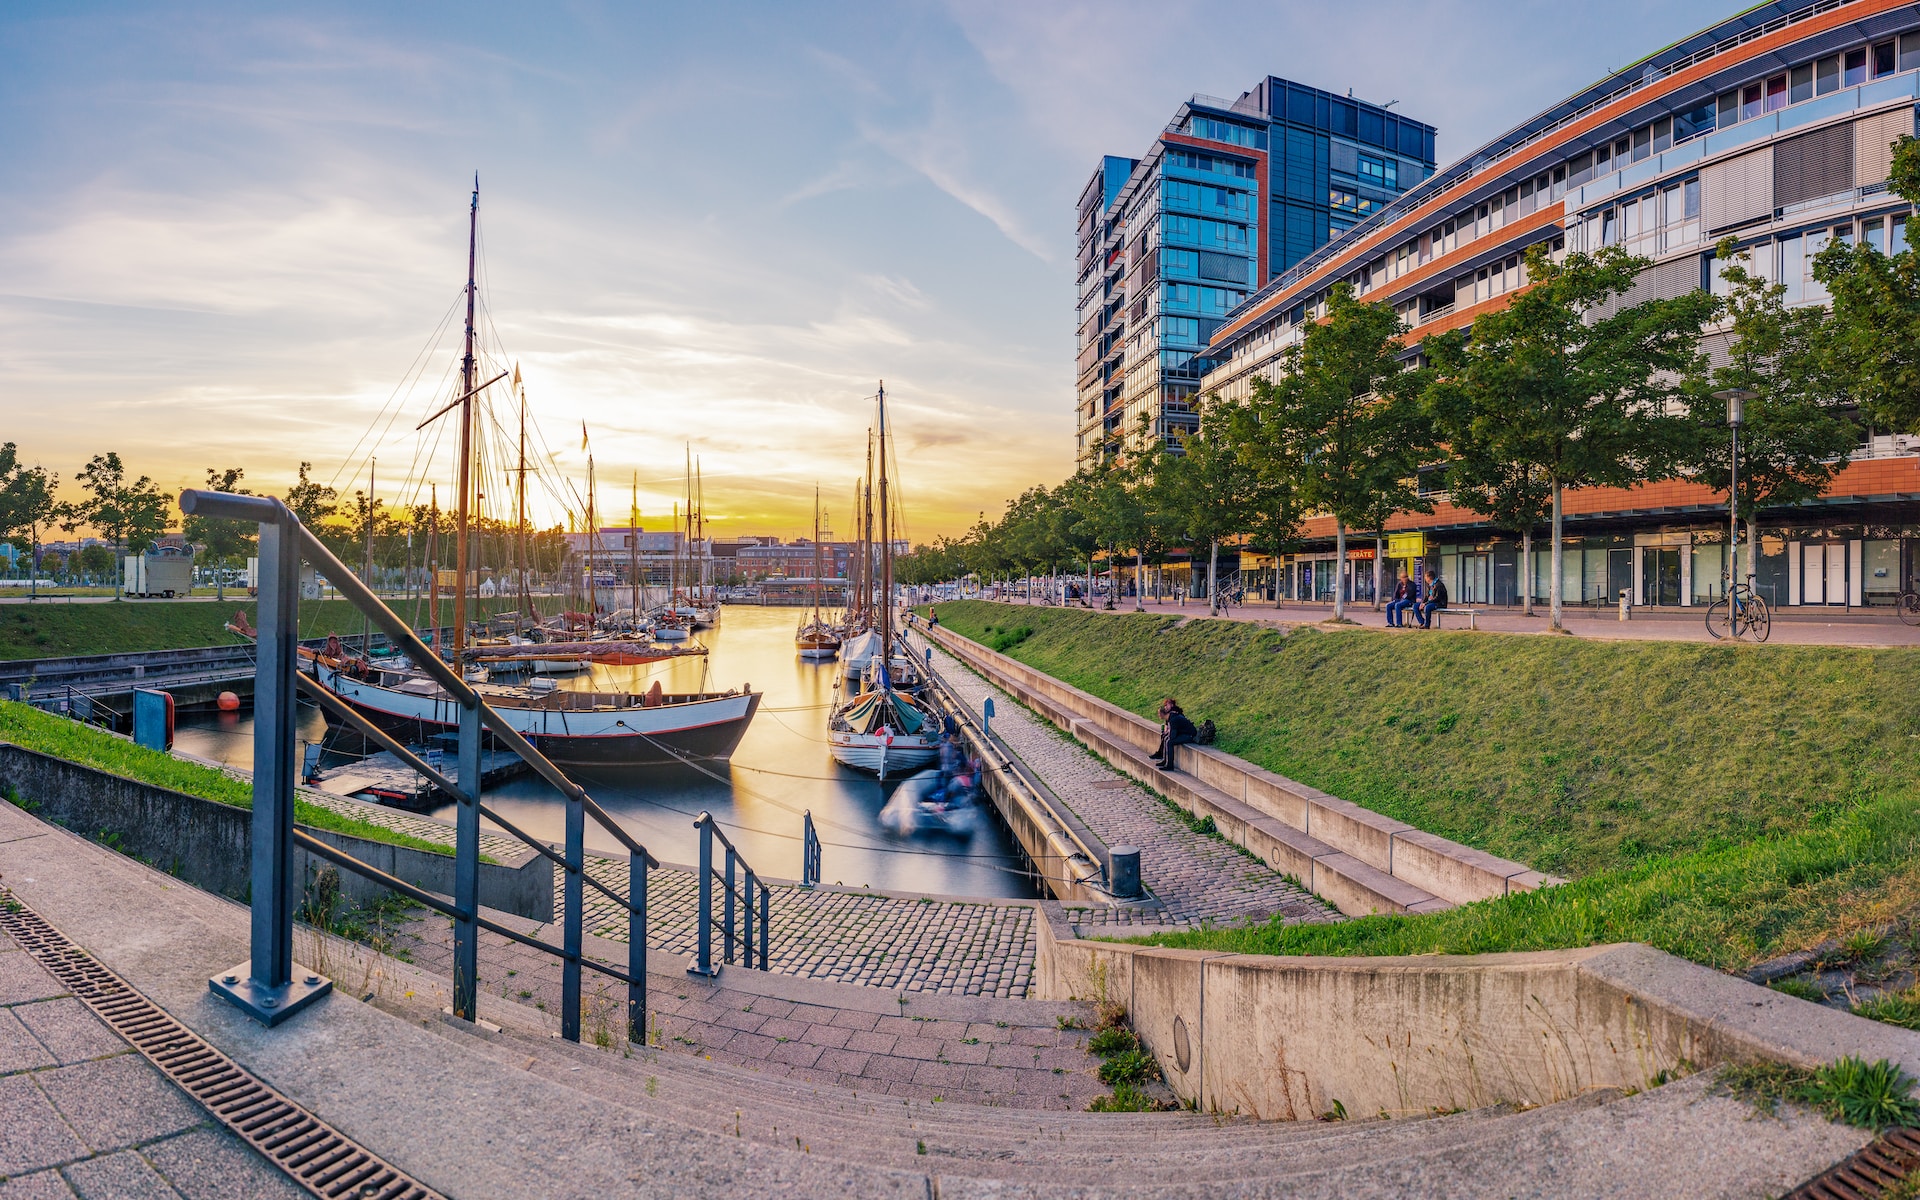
(1813, 165)
(1738, 191)
(1873, 139)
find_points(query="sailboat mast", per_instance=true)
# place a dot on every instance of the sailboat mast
(706, 560)
(520, 505)
(866, 540)
(886, 541)
(366, 622)
(816, 554)
(433, 566)
(593, 524)
(466, 433)
(633, 552)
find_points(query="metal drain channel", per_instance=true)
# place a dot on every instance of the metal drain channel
(1870, 1171)
(315, 1155)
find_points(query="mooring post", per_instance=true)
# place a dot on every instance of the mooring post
(466, 868)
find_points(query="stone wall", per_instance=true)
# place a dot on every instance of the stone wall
(209, 844)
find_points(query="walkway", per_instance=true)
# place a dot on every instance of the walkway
(82, 1113)
(1195, 877)
(1871, 629)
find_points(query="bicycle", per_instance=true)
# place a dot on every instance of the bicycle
(1740, 611)
(1909, 608)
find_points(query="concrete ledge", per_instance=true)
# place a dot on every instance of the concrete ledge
(209, 844)
(1284, 1037)
(1442, 869)
(1358, 889)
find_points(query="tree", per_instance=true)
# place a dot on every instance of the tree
(26, 500)
(1272, 502)
(1118, 520)
(1212, 487)
(1793, 440)
(312, 502)
(1873, 340)
(1579, 394)
(131, 515)
(1344, 421)
(222, 539)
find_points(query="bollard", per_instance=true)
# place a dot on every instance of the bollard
(1123, 871)
(1626, 602)
(986, 719)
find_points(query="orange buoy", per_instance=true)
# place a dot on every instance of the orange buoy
(229, 702)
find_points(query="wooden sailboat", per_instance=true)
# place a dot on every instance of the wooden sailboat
(816, 637)
(584, 727)
(879, 727)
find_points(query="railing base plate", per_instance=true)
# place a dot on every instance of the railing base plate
(269, 1006)
(711, 973)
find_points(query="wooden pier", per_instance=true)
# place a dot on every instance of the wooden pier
(384, 779)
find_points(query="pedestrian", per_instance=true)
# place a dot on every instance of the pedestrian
(933, 618)
(1403, 599)
(1175, 730)
(1436, 600)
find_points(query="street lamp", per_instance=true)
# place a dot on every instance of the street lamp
(1736, 400)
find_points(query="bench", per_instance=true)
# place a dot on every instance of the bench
(1471, 614)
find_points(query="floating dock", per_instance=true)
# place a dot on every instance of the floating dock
(384, 779)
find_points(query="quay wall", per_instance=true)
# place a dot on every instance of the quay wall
(1283, 1038)
(210, 845)
(1356, 859)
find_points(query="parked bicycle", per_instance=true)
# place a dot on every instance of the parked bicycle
(1741, 611)
(1908, 607)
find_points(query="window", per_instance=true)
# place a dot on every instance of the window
(1662, 134)
(1751, 99)
(1800, 84)
(1883, 59)
(1826, 75)
(1909, 51)
(1381, 173)
(1729, 108)
(1180, 229)
(1873, 232)
(1776, 93)
(1856, 68)
(1642, 142)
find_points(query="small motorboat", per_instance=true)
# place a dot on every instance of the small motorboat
(924, 803)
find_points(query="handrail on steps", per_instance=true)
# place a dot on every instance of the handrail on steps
(738, 883)
(269, 987)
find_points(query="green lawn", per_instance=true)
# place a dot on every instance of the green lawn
(35, 730)
(56, 629)
(1724, 802)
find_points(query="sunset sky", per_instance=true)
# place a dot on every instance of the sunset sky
(227, 231)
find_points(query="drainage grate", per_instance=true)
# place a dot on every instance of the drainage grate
(1873, 1170)
(313, 1153)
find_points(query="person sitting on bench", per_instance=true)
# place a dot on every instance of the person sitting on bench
(1436, 600)
(1175, 730)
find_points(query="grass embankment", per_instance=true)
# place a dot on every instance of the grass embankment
(32, 729)
(55, 630)
(1724, 803)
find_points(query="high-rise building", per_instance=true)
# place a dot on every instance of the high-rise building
(1229, 195)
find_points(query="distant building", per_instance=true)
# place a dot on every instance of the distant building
(1228, 196)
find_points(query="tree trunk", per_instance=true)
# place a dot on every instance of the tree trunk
(1139, 582)
(1753, 548)
(1213, 578)
(1526, 568)
(1553, 585)
(1339, 570)
(1379, 571)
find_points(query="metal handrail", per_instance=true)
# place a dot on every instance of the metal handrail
(809, 851)
(269, 992)
(744, 893)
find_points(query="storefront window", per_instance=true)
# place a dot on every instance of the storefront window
(1880, 560)
(1708, 564)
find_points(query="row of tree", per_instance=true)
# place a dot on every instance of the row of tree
(134, 514)
(1567, 386)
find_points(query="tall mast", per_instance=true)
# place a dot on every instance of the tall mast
(816, 554)
(520, 505)
(886, 541)
(866, 540)
(686, 579)
(633, 552)
(466, 433)
(700, 496)
(433, 567)
(593, 525)
(366, 622)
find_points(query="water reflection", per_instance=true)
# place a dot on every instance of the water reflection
(781, 770)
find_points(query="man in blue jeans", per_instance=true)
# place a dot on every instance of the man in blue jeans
(1436, 600)
(1403, 599)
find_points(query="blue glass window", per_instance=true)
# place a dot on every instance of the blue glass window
(1372, 128)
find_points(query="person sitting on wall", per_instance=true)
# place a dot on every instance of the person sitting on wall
(1403, 599)
(933, 618)
(1436, 600)
(1175, 730)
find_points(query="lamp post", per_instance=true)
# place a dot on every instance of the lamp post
(1736, 401)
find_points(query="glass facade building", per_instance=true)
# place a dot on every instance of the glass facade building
(1773, 127)
(1230, 194)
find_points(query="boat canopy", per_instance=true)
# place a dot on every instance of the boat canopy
(866, 714)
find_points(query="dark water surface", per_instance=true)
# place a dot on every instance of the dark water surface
(780, 770)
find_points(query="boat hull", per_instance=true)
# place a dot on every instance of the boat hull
(889, 758)
(708, 728)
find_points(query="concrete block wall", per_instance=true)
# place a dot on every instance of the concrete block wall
(1356, 859)
(1283, 1038)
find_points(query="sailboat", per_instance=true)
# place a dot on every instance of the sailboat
(880, 728)
(584, 727)
(817, 638)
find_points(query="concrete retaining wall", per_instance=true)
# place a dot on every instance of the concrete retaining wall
(209, 844)
(1356, 859)
(1282, 1038)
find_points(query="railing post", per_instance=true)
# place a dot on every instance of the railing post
(746, 919)
(809, 851)
(764, 911)
(726, 923)
(637, 949)
(703, 964)
(570, 964)
(268, 987)
(466, 870)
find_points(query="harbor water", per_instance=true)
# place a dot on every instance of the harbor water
(780, 771)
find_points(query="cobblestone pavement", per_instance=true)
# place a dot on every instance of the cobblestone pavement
(82, 1114)
(1197, 878)
(997, 1056)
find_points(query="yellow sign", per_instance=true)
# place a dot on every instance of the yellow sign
(1406, 545)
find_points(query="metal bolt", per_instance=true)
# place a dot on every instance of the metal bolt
(269, 1002)
(229, 979)
(313, 981)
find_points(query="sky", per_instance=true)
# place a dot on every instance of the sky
(236, 234)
